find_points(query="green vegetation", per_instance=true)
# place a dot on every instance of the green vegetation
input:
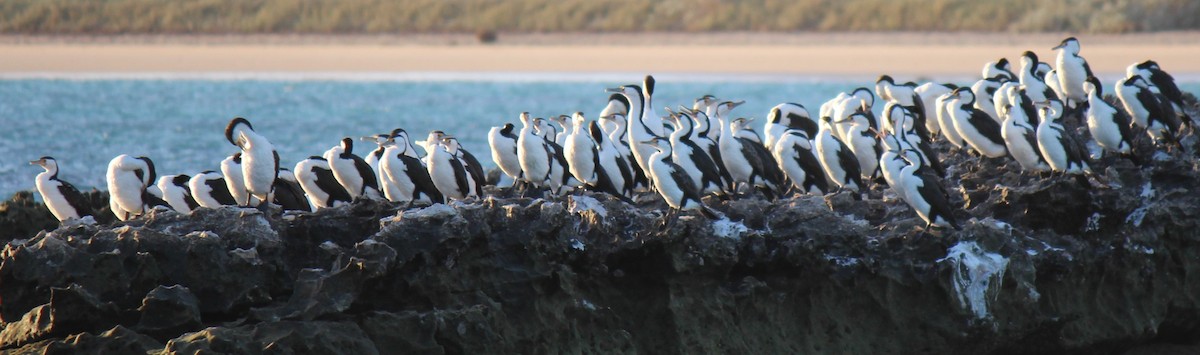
(468, 16)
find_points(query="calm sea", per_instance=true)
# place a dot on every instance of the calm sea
(179, 122)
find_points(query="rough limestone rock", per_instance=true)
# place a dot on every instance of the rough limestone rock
(1043, 264)
(169, 311)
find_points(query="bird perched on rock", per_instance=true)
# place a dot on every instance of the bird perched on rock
(319, 184)
(62, 198)
(406, 176)
(798, 160)
(1060, 149)
(128, 178)
(1165, 83)
(1108, 125)
(352, 172)
(671, 182)
(978, 129)
(925, 194)
(1072, 71)
(1149, 109)
(260, 161)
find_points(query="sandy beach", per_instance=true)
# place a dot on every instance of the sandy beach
(910, 55)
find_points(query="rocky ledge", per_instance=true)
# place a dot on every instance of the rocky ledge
(1042, 265)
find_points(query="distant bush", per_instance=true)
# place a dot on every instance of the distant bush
(466, 16)
(486, 36)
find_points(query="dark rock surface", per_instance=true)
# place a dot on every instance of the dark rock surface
(1043, 265)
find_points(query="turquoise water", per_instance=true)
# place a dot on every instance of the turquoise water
(180, 122)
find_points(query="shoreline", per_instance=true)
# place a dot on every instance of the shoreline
(908, 55)
(613, 38)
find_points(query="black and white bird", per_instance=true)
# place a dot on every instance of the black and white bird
(671, 182)
(638, 129)
(1062, 152)
(503, 142)
(839, 164)
(209, 190)
(649, 115)
(1002, 99)
(1108, 125)
(260, 162)
(944, 104)
(705, 136)
(748, 161)
(372, 158)
(617, 105)
(288, 194)
(474, 169)
(176, 192)
(352, 172)
(1043, 69)
(62, 198)
(613, 173)
(560, 136)
(1072, 71)
(560, 178)
(906, 96)
(979, 130)
(406, 177)
(1165, 83)
(1020, 136)
(797, 159)
(860, 100)
(720, 117)
(1034, 82)
(705, 175)
(787, 116)
(580, 151)
(925, 194)
(602, 172)
(892, 163)
(127, 179)
(618, 139)
(984, 91)
(708, 105)
(997, 68)
(319, 184)
(908, 138)
(929, 93)
(1055, 84)
(447, 172)
(862, 141)
(533, 154)
(235, 181)
(1149, 109)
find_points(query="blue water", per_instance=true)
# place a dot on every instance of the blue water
(180, 123)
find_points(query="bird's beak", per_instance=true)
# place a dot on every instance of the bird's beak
(367, 138)
(878, 134)
(1060, 45)
(37, 162)
(651, 141)
(736, 104)
(616, 89)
